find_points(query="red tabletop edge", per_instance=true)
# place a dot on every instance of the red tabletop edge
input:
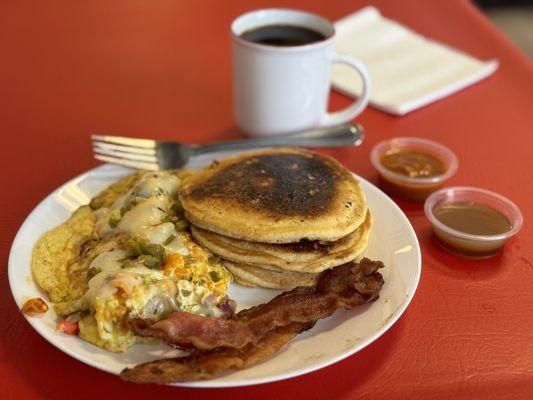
(162, 69)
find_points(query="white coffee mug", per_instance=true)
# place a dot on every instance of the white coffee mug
(279, 89)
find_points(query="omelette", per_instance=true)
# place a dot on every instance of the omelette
(129, 254)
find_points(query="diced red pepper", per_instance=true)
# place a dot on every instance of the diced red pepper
(70, 328)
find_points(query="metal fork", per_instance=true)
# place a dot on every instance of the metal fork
(153, 155)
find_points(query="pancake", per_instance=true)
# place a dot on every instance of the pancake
(275, 196)
(297, 257)
(259, 277)
(303, 251)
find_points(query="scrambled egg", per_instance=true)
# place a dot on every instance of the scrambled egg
(142, 263)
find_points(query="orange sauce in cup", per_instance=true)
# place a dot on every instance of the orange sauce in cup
(474, 219)
(414, 164)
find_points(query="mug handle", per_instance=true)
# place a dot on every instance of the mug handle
(353, 110)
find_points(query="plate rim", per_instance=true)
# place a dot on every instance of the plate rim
(238, 383)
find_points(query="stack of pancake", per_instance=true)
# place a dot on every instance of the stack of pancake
(278, 217)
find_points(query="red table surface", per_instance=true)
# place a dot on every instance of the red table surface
(162, 69)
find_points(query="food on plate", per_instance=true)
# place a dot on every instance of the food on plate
(278, 217)
(34, 306)
(264, 265)
(249, 275)
(128, 254)
(413, 168)
(344, 285)
(253, 334)
(152, 256)
(68, 327)
(303, 256)
(55, 253)
(208, 365)
(275, 196)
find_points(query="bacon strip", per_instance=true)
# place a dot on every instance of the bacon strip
(345, 286)
(191, 331)
(274, 323)
(210, 364)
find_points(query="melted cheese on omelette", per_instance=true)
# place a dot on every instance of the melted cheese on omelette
(145, 264)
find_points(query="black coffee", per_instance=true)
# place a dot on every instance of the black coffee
(283, 35)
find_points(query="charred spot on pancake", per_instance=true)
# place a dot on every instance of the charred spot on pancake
(282, 184)
(307, 246)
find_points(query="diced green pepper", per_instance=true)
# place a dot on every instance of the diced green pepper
(213, 260)
(152, 262)
(126, 263)
(114, 218)
(181, 225)
(177, 208)
(136, 247)
(169, 240)
(92, 272)
(132, 247)
(215, 277)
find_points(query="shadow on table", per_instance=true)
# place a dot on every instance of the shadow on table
(346, 377)
(438, 259)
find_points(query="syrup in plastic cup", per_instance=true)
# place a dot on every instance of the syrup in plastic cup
(469, 245)
(412, 188)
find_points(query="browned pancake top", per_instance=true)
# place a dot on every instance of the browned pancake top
(282, 184)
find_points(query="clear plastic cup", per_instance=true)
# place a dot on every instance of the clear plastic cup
(466, 244)
(413, 188)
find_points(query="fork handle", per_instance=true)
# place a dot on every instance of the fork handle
(341, 135)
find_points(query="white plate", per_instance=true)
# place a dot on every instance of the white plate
(392, 240)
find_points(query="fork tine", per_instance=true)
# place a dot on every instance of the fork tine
(134, 142)
(128, 163)
(125, 155)
(125, 149)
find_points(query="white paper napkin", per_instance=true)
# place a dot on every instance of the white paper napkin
(408, 71)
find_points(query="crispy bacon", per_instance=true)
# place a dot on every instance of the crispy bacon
(346, 286)
(206, 365)
(272, 325)
(183, 330)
